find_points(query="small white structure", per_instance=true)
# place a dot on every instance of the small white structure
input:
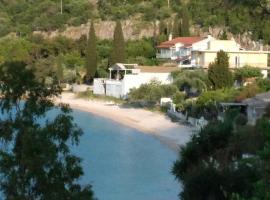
(124, 77)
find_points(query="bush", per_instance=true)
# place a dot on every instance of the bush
(247, 92)
(217, 96)
(247, 72)
(151, 93)
(240, 120)
(263, 84)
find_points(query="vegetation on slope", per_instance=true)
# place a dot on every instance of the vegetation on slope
(236, 16)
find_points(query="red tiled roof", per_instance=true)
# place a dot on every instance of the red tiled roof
(187, 41)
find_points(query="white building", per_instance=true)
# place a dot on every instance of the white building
(238, 57)
(124, 77)
(179, 49)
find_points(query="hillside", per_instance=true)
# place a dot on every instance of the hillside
(236, 16)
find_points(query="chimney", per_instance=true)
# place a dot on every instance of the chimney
(170, 37)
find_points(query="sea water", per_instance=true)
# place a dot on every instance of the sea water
(122, 163)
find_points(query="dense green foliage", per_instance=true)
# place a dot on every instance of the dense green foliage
(191, 80)
(238, 16)
(226, 160)
(152, 93)
(185, 24)
(219, 73)
(24, 16)
(66, 58)
(118, 50)
(35, 157)
(91, 54)
(247, 72)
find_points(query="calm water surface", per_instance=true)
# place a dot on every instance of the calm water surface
(122, 163)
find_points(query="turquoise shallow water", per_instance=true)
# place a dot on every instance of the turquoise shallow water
(122, 163)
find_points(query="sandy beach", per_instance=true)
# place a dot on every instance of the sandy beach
(157, 124)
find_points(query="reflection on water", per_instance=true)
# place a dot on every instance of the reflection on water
(122, 163)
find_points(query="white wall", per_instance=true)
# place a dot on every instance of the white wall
(99, 86)
(135, 81)
(203, 44)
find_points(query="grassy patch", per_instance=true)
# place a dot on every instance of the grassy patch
(89, 95)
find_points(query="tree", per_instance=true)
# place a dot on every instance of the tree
(226, 160)
(190, 80)
(118, 51)
(247, 72)
(91, 54)
(176, 28)
(35, 159)
(185, 23)
(59, 68)
(219, 73)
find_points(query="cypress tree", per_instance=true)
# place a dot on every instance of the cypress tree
(176, 28)
(59, 69)
(118, 51)
(185, 23)
(162, 28)
(219, 73)
(91, 54)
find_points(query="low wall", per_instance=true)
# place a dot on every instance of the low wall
(99, 86)
(80, 88)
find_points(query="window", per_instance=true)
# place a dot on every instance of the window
(237, 61)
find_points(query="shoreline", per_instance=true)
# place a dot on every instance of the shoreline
(159, 126)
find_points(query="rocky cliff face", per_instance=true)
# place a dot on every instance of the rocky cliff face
(104, 30)
(245, 40)
(137, 29)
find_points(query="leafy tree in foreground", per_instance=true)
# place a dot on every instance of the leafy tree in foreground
(91, 53)
(219, 73)
(118, 51)
(227, 161)
(35, 160)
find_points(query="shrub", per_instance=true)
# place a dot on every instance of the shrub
(247, 72)
(263, 84)
(247, 92)
(152, 92)
(240, 120)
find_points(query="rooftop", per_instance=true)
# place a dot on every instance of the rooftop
(260, 99)
(143, 69)
(157, 69)
(186, 41)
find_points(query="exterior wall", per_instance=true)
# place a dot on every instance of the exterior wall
(224, 45)
(114, 88)
(203, 59)
(99, 86)
(202, 45)
(120, 89)
(135, 81)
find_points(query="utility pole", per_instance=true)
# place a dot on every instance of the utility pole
(61, 7)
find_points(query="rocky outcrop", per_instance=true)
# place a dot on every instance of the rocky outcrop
(104, 30)
(137, 29)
